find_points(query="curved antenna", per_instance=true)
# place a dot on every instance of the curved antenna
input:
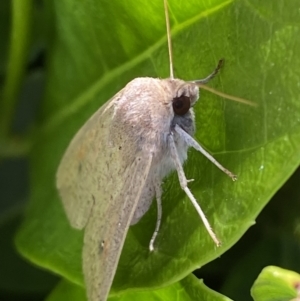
(211, 76)
(201, 84)
(169, 39)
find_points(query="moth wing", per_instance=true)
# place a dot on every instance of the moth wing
(76, 178)
(105, 235)
(100, 185)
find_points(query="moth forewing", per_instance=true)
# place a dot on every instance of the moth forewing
(74, 179)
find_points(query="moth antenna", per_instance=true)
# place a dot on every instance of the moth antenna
(211, 76)
(228, 96)
(169, 39)
(201, 84)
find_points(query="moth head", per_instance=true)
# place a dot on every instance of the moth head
(187, 93)
(186, 96)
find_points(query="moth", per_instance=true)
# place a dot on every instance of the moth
(115, 164)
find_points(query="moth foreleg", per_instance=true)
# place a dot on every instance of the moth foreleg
(190, 141)
(183, 183)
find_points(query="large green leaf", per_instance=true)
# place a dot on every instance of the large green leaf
(97, 48)
(189, 288)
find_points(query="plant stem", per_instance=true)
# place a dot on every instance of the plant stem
(18, 54)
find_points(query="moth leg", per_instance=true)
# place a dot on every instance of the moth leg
(193, 143)
(158, 194)
(183, 183)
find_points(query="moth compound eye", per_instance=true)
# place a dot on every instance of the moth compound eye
(181, 105)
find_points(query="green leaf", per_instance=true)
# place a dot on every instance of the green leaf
(189, 288)
(98, 47)
(276, 284)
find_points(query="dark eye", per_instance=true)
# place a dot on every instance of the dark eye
(181, 105)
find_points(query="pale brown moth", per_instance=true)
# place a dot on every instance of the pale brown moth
(115, 164)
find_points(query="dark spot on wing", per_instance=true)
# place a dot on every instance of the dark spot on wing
(101, 246)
